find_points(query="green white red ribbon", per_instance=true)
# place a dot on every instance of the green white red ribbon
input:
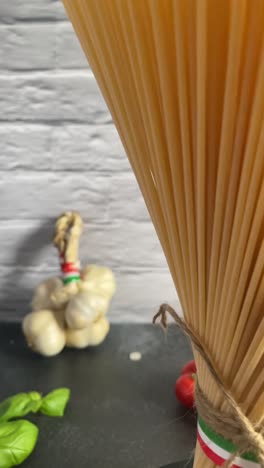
(70, 271)
(218, 449)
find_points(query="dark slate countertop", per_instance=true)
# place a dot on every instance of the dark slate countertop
(122, 414)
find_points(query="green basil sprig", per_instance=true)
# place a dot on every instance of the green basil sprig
(18, 438)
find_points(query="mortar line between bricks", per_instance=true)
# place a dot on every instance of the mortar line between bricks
(5, 269)
(58, 123)
(51, 73)
(28, 170)
(55, 122)
(24, 223)
(9, 71)
(87, 221)
(48, 172)
(32, 20)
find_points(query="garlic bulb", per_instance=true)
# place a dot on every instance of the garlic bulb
(44, 332)
(93, 335)
(42, 294)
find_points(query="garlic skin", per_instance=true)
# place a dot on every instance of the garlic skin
(62, 295)
(97, 287)
(92, 335)
(98, 279)
(78, 338)
(42, 295)
(85, 308)
(100, 330)
(44, 332)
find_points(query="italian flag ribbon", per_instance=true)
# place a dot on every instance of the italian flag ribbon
(218, 449)
(70, 271)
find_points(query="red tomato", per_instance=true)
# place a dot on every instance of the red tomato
(189, 368)
(184, 390)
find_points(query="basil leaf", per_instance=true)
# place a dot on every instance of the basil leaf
(55, 402)
(17, 440)
(19, 405)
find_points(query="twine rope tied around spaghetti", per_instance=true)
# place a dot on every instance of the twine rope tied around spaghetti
(234, 425)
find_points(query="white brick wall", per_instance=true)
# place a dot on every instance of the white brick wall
(58, 151)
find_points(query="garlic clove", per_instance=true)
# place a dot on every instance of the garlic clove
(98, 303)
(78, 338)
(76, 319)
(100, 330)
(83, 309)
(50, 342)
(44, 332)
(99, 279)
(60, 296)
(41, 298)
(37, 321)
(93, 335)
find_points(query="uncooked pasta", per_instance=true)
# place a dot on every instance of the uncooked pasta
(184, 81)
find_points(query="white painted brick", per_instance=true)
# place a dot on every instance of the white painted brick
(122, 245)
(139, 296)
(88, 148)
(130, 304)
(28, 98)
(68, 51)
(75, 148)
(25, 147)
(25, 47)
(135, 245)
(45, 195)
(48, 97)
(15, 10)
(126, 200)
(42, 46)
(100, 198)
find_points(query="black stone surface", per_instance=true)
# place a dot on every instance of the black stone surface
(122, 414)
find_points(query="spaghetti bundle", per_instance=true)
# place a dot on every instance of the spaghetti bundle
(184, 82)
